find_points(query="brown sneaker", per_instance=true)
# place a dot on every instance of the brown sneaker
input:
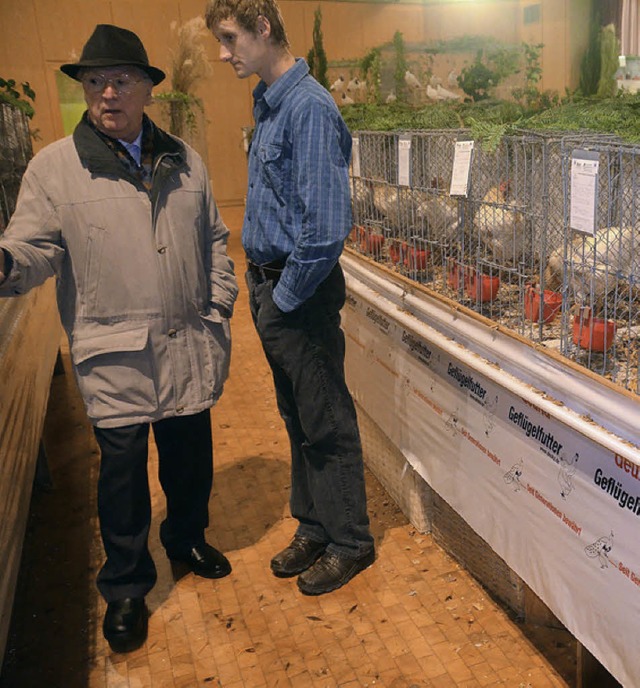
(332, 571)
(297, 557)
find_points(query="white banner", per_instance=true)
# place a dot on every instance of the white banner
(559, 508)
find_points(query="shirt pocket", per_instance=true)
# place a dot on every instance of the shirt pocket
(272, 167)
(114, 370)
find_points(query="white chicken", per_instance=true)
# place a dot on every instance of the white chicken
(345, 100)
(361, 199)
(411, 80)
(432, 93)
(452, 79)
(596, 265)
(391, 98)
(442, 217)
(500, 226)
(338, 84)
(354, 85)
(396, 204)
(445, 94)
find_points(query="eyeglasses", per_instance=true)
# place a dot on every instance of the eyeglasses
(123, 84)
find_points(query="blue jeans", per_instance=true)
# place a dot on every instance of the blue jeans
(305, 349)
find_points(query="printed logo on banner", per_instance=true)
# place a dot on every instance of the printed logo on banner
(568, 468)
(614, 488)
(600, 550)
(468, 382)
(417, 347)
(536, 431)
(382, 323)
(513, 475)
(351, 301)
(452, 422)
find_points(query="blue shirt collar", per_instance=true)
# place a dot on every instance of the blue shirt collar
(273, 95)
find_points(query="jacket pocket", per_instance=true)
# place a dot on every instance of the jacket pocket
(218, 348)
(114, 370)
(93, 265)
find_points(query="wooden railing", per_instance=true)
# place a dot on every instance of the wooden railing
(30, 334)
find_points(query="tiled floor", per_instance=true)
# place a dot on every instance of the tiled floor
(413, 619)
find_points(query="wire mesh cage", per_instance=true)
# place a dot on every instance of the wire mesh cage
(598, 272)
(15, 153)
(506, 248)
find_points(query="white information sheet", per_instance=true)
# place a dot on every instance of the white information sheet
(355, 157)
(461, 167)
(404, 160)
(584, 191)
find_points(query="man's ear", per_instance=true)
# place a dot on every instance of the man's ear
(263, 27)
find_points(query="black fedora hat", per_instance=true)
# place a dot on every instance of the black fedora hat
(110, 46)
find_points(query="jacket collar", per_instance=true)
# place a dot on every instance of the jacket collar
(99, 159)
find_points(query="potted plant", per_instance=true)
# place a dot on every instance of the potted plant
(189, 65)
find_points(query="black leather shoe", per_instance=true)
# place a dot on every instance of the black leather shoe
(125, 624)
(332, 571)
(297, 557)
(205, 561)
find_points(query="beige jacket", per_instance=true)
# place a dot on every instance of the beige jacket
(144, 284)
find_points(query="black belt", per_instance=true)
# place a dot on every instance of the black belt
(266, 271)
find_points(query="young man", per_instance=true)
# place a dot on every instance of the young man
(298, 214)
(122, 214)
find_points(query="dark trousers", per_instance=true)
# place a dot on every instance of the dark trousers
(305, 349)
(185, 455)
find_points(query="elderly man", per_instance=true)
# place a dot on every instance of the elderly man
(122, 214)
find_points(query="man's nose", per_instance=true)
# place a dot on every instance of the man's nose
(109, 90)
(225, 53)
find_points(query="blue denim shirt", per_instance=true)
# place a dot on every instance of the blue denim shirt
(298, 200)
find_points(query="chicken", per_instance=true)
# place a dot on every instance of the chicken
(445, 94)
(391, 98)
(596, 266)
(397, 204)
(441, 214)
(500, 227)
(432, 93)
(338, 84)
(345, 100)
(361, 199)
(411, 80)
(354, 85)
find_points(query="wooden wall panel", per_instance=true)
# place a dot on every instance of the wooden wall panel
(228, 108)
(154, 28)
(498, 19)
(45, 33)
(65, 25)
